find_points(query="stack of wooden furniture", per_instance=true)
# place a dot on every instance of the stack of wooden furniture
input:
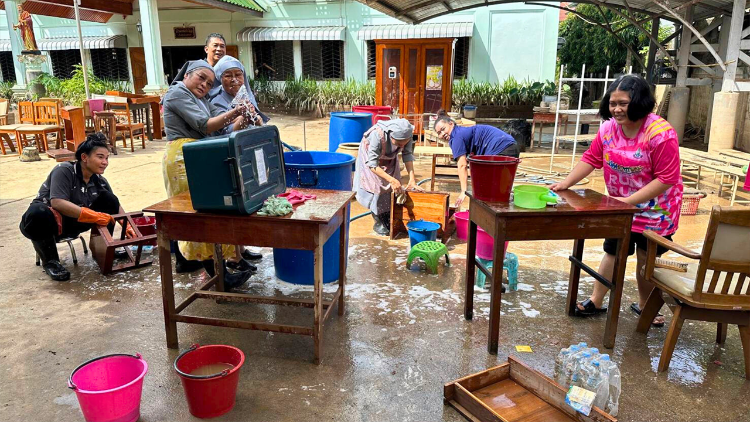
(5, 129)
(36, 121)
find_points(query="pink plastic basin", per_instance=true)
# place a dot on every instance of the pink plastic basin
(485, 242)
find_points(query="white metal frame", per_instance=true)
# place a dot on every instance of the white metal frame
(578, 111)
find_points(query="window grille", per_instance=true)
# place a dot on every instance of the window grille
(274, 60)
(63, 62)
(371, 59)
(461, 58)
(110, 63)
(323, 60)
(7, 67)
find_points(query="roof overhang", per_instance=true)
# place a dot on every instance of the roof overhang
(89, 10)
(248, 7)
(319, 33)
(418, 11)
(424, 30)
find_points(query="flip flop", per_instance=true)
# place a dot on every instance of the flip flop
(637, 309)
(589, 309)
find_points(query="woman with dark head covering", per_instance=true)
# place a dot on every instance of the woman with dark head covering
(230, 78)
(73, 199)
(188, 117)
(377, 169)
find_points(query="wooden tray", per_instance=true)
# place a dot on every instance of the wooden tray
(513, 392)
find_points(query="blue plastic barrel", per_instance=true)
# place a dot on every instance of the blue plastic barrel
(347, 127)
(420, 230)
(315, 170)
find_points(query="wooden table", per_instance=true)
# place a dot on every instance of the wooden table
(549, 118)
(582, 214)
(696, 163)
(307, 228)
(106, 122)
(436, 152)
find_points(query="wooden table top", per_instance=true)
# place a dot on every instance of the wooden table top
(317, 211)
(572, 202)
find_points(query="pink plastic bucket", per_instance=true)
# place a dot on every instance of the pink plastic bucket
(109, 387)
(485, 242)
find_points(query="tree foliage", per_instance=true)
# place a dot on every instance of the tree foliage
(586, 42)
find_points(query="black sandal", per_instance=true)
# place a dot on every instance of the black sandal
(588, 310)
(637, 309)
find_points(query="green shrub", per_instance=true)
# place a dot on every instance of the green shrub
(304, 94)
(73, 92)
(508, 93)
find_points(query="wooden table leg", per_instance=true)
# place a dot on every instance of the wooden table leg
(318, 297)
(471, 251)
(575, 276)
(432, 180)
(343, 257)
(533, 127)
(615, 295)
(167, 287)
(156, 117)
(218, 266)
(498, 256)
(541, 133)
(734, 189)
(149, 132)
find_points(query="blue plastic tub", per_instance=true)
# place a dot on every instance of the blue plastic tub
(421, 230)
(346, 126)
(315, 170)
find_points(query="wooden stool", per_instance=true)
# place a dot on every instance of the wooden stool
(106, 122)
(103, 246)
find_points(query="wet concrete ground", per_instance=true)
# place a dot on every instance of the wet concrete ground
(403, 335)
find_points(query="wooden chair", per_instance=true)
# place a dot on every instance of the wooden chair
(715, 289)
(4, 106)
(125, 125)
(5, 129)
(103, 246)
(90, 108)
(46, 121)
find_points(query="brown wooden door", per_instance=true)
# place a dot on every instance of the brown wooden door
(437, 71)
(389, 75)
(233, 50)
(413, 103)
(138, 66)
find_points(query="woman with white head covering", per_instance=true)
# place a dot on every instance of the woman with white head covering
(230, 78)
(188, 117)
(378, 171)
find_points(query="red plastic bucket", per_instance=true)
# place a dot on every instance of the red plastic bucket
(485, 242)
(147, 226)
(211, 395)
(109, 387)
(378, 112)
(492, 177)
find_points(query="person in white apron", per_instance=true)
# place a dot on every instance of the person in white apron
(377, 170)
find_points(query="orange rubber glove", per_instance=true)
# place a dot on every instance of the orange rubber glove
(90, 216)
(129, 232)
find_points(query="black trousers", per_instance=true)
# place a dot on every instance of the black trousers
(38, 222)
(511, 151)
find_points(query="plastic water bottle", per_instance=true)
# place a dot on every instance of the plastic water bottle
(615, 386)
(560, 364)
(598, 383)
(569, 365)
(581, 369)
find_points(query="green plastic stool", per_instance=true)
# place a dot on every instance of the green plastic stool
(430, 251)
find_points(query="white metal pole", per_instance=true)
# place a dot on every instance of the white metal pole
(80, 45)
(578, 116)
(304, 135)
(630, 70)
(557, 116)
(606, 79)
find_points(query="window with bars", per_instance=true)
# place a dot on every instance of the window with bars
(110, 63)
(63, 62)
(323, 60)
(372, 53)
(273, 60)
(461, 58)
(7, 66)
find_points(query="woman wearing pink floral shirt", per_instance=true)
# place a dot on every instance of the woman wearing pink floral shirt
(639, 154)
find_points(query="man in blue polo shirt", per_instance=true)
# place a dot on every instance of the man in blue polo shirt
(472, 140)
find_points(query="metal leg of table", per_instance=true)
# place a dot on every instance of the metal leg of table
(167, 289)
(343, 257)
(615, 295)
(575, 277)
(318, 298)
(471, 251)
(496, 287)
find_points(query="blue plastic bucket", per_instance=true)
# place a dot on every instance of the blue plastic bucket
(421, 230)
(346, 126)
(315, 170)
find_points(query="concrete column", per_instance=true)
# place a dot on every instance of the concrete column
(724, 121)
(652, 48)
(297, 51)
(11, 14)
(680, 99)
(152, 46)
(733, 46)
(726, 23)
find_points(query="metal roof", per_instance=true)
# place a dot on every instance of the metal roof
(418, 11)
(424, 30)
(318, 33)
(89, 43)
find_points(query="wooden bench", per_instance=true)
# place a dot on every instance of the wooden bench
(695, 163)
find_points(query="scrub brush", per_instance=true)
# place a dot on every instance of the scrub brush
(671, 265)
